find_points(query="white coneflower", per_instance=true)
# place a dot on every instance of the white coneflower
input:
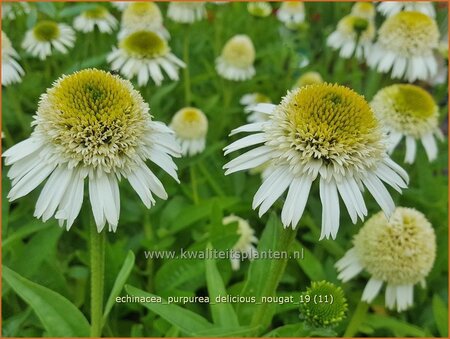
(291, 13)
(120, 5)
(12, 72)
(353, 35)
(98, 16)
(246, 243)
(260, 9)
(399, 251)
(46, 35)
(11, 10)
(143, 54)
(390, 8)
(405, 44)
(236, 61)
(251, 99)
(186, 12)
(326, 132)
(142, 16)
(190, 126)
(408, 111)
(308, 78)
(364, 10)
(90, 125)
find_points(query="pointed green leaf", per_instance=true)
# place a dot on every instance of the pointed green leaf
(440, 313)
(58, 315)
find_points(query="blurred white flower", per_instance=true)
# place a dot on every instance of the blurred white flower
(186, 12)
(291, 13)
(11, 10)
(144, 54)
(246, 242)
(260, 9)
(411, 112)
(237, 58)
(353, 36)
(251, 99)
(190, 126)
(98, 16)
(390, 8)
(325, 132)
(142, 16)
(46, 35)
(364, 10)
(120, 5)
(12, 72)
(94, 125)
(405, 45)
(399, 251)
(308, 78)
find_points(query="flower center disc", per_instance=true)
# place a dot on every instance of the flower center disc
(190, 123)
(98, 12)
(145, 44)
(239, 52)
(413, 101)
(142, 10)
(46, 30)
(93, 118)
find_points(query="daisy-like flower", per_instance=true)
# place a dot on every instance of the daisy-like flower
(260, 9)
(390, 8)
(46, 35)
(251, 99)
(11, 10)
(364, 10)
(308, 78)
(411, 112)
(186, 12)
(326, 132)
(399, 251)
(98, 16)
(405, 44)
(143, 54)
(142, 16)
(12, 72)
(353, 35)
(90, 125)
(190, 126)
(246, 243)
(291, 13)
(236, 61)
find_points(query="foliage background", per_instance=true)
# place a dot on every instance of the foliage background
(190, 218)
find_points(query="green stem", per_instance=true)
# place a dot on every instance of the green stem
(97, 256)
(357, 319)
(187, 78)
(194, 185)
(263, 313)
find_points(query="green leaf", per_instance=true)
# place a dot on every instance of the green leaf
(178, 272)
(24, 232)
(440, 313)
(58, 315)
(398, 327)
(121, 279)
(47, 8)
(309, 263)
(187, 321)
(223, 314)
(73, 9)
(222, 332)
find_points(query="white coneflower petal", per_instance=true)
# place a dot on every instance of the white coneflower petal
(120, 5)
(246, 242)
(353, 35)
(364, 10)
(399, 251)
(11, 10)
(308, 78)
(260, 9)
(143, 54)
(142, 16)
(237, 58)
(411, 112)
(291, 13)
(251, 99)
(90, 125)
(326, 132)
(46, 35)
(190, 126)
(405, 45)
(98, 16)
(390, 8)
(186, 12)
(12, 72)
